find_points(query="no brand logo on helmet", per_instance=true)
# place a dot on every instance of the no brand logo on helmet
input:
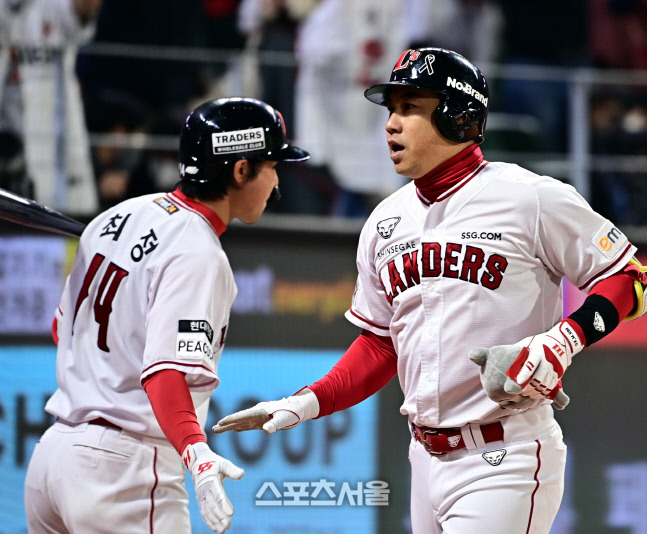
(466, 88)
(238, 141)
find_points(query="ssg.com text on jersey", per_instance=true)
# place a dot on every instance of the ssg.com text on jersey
(490, 236)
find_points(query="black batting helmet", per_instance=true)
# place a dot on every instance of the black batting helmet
(225, 130)
(461, 86)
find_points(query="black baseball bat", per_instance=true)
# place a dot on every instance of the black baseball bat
(27, 212)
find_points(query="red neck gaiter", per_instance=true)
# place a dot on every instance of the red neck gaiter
(455, 170)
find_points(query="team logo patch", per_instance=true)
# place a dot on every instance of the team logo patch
(166, 205)
(609, 240)
(194, 340)
(238, 141)
(385, 228)
(454, 441)
(494, 457)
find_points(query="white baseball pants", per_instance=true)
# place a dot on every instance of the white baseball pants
(94, 479)
(462, 493)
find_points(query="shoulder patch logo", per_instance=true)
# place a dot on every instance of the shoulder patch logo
(385, 228)
(494, 457)
(609, 240)
(166, 205)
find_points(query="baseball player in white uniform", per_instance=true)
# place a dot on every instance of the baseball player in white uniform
(140, 330)
(463, 266)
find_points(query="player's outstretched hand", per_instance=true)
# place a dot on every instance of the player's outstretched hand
(272, 415)
(208, 471)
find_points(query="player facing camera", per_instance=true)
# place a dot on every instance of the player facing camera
(227, 142)
(459, 293)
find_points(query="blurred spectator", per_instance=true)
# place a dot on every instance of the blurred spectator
(159, 84)
(470, 27)
(344, 46)
(115, 115)
(123, 169)
(221, 30)
(130, 94)
(40, 99)
(619, 128)
(618, 33)
(271, 26)
(13, 167)
(549, 33)
(618, 40)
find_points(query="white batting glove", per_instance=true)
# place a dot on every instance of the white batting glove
(542, 361)
(208, 471)
(272, 415)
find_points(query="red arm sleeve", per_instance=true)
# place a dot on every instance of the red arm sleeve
(618, 289)
(55, 331)
(173, 407)
(365, 368)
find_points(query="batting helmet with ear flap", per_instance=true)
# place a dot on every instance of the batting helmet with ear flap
(220, 132)
(461, 87)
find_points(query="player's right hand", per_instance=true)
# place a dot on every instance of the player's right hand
(494, 363)
(271, 416)
(208, 471)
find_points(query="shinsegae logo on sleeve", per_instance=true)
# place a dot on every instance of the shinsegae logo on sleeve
(238, 141)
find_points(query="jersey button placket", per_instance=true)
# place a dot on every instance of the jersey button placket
(429, 357)
(428, 400)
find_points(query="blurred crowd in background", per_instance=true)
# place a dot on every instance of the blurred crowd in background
(93, 92)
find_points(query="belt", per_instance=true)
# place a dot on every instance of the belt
(439, 441)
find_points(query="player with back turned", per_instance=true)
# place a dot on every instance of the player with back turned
(462, 266)
(140, 330)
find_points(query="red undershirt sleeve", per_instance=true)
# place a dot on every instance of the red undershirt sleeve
(619, 290)
(55, 331)
(365, 368)
(173, 407)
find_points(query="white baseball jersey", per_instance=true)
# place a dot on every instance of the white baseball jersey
(483, 267)
(150, 289)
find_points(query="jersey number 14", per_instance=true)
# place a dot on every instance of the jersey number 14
(104, 297)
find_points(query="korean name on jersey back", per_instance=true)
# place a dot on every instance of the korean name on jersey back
(469, 263)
